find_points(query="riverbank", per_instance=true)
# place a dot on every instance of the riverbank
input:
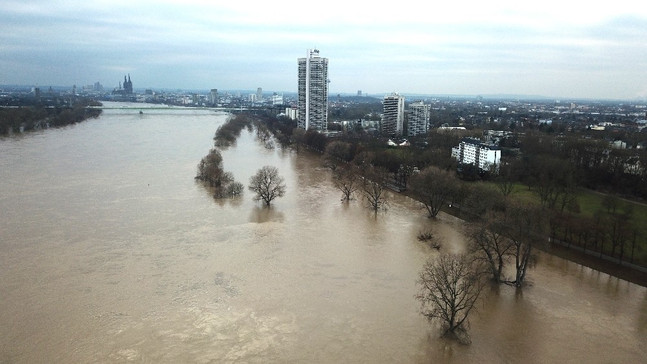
(591, 259)
(25, 118)
(594, 262)
(608, 265)
(588, 259)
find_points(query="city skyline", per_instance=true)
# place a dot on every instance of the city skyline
(556, 49)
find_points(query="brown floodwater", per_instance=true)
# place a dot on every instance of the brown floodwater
(110, 252)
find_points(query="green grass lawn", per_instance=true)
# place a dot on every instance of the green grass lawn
(590, 203)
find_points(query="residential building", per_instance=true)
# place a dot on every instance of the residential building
(418, 118)
(277, 99)
(393, 115)
(291, 112)
(313, 92)
(474, 151)
(494, 137)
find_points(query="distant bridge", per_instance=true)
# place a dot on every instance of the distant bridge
(169, 107)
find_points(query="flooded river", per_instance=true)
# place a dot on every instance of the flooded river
(110, 252)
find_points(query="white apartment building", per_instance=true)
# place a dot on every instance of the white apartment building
(291, 112)
(313, 92)
(393, 115)
(277, 99)
(474, 151)
(418, 118)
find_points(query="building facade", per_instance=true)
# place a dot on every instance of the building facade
(277, 99)
(393, 116)
(313, 92)
(126, 89)
(128, 86)
(418, 118)
(473, 151)
(291, 112)
(213, 97)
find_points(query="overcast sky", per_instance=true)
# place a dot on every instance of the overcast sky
(551, 48)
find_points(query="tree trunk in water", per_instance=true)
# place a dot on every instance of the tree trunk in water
(522, 259)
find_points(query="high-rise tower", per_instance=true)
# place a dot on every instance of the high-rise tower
(418, 118)
(213, 97)
(393, 115)
(313, 92)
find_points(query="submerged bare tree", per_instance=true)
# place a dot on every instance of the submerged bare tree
(524, 229)
(509, 235)
(434, 188)
(267, 184)
(373, 188)
(347, 181)
(492, 247)
(449, 289)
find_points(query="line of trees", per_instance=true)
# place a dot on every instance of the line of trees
(555, 170)
(267, 184)
(614, 231)
(503, 229)
(210, 168)
(227, 133)
(508, 236)
(586, 162)
(27, 118)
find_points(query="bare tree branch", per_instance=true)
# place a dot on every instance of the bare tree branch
(449, 289)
